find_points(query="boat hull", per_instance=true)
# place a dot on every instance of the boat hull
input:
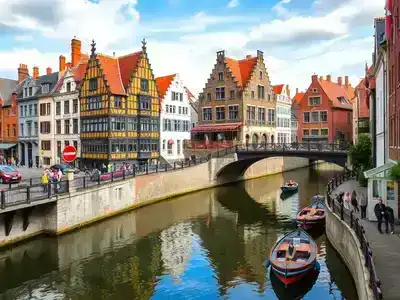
(310, 224)
(291, 277)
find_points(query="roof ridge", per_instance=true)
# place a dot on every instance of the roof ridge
(106, 55)
(126, 55)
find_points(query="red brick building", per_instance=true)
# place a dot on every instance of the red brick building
(393, 37)
(325, 111)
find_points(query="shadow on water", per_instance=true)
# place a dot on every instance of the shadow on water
(207, 245)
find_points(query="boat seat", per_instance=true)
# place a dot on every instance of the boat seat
(302, 241)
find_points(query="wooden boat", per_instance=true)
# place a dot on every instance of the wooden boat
(290, 186)
(293, 256)
(312, 215)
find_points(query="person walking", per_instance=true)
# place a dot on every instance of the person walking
(363, 203)
(354, 201)
(390, 218)
(380, 213)
(347, 200)
(44, 179)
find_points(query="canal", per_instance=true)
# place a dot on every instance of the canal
(211, 244)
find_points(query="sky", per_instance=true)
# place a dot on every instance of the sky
(299, 38)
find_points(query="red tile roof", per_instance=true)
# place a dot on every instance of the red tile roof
(278, 88)
(333, 90)
(241, 69)
(112, 74)
(79, 72)
(363, 109)
(297, 98)
(127, 64)
(163, 84)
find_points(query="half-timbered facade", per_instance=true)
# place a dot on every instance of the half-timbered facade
(120, 110)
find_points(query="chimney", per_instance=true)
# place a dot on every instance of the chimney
(314, 77)
(346, 80)
(328, 78)
(35, 72)
(248, 56)
(297, 91)
(75, 52)
(14, 100)
(260, 54)
(221, 53)
(321, 78)
(49, 71)
(339, 81)
(61, 62)
(22, 72)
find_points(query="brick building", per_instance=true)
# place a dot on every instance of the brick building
(360, 108)
(325, 111)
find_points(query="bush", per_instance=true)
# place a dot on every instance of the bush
(361, 153)
(362, 180)
(395, 172)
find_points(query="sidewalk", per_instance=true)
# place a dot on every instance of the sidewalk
(385, 248)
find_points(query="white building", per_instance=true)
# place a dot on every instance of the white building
(174, 118)
(283, 114)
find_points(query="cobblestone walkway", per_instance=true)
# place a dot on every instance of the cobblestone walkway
(385, 249)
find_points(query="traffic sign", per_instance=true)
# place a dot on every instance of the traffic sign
(69, 153)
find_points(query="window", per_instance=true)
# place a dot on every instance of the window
(132, 145)
(207, 114)
(148, 146)
(175, 96)
(66, 143)
(261, 92)
(252, 95)
(35, 129)
(169, 148)
(68, 87)
(75, 106)
(117, 101)
(22, 130)
(118, 124)
(58, 148)
(314, 101)
(118, 146)
(92, 84)
(132, 124)
(323, 115)
(94, 103)
(348, 118)
(94, 125)
(163, 144)
(144, 103)
(324, 131)
(179, 110)
(251, 112)
(220, 76)
(58, 126)
(271, 115)
(314, 132)
(26, 110)
(233, 112)
(94, 146)
(306, 132)
(29, 129)
(58, 108)
(144, 85)
(177, 125)
(261, 114)
(66, 126)
(43, 109)
(260, 75)
(8, 130)
(315, 90)
(45, 88)
(232, 95)
(46, 145)
(30, 109)
(208, 96)
(315, 116)
(75, 126)
(25, 92)
(181, 97)
(306, 117)
(30, 91)
(46, 160)
(21, 111)
(35, 109)
(44, 127)
(220, 113)
(75, 145)
(342, 100)
(66, 107)
(178, 147)
(220, 93)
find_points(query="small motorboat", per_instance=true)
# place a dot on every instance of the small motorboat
(290, 186)
(293, 256)
(312, 215)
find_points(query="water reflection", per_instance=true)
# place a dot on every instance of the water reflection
(208, 245)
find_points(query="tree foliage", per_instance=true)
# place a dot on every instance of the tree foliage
(395, 172)
(361, 153)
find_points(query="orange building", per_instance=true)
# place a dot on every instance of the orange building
(8, 118)
(325, 111)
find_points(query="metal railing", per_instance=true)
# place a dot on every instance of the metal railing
(294, 147)
(353, 221)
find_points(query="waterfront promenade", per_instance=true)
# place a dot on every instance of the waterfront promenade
(385, 248)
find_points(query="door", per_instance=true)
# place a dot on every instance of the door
(22, 157)
(30, 157)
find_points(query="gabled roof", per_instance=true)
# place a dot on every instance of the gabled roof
(363, 110)
(241, 69)
(78, 72)
(7, 88)
(297, 98)
(334, 91)
(163, 84)
(128, 64)
(278, 88)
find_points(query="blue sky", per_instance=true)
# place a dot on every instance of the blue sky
(298, 37)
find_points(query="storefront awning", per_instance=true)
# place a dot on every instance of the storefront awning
(380, 172)
(6, 145)
(216, 127)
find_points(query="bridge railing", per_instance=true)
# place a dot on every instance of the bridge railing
(353, 221)
(292, 147)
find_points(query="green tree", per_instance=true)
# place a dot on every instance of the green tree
(361, 153)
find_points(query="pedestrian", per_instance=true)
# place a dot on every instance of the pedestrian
(390, 218)
(363, 203)
(341, 197)
(380, 213)
(59, 175)
(44, 179)
(354, 201)
(347, 200)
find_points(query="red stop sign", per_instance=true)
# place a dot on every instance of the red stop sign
(69, 154)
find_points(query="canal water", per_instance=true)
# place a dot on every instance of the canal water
(207, 245)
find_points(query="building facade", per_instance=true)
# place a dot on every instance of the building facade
(283, 113)
(194, 108)
(175, 117)
(295, 122)
(360, 109)
(120, 110)
(325, 111)
(237, 105)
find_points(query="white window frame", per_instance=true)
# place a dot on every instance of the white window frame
(310, 97)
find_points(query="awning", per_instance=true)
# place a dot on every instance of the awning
(7, 145)
(217, 127)
(380, 172)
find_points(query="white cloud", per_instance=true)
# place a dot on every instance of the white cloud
(23, 38)
(233, 3)
(280, 9)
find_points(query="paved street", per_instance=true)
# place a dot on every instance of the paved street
(385, 249)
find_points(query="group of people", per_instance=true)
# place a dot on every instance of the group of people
(50, 176)
(386, 214)
(354, 201)
(291, 183)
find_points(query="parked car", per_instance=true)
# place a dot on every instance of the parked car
(9, 174)
(65, 168)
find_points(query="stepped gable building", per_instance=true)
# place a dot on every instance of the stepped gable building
(325, 111)
(119, 110)
(283, 113)
(8, 118)
(174, 117)
(237, 104)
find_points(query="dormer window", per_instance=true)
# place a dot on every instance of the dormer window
(68, 87)
(342, 100)
(220, 76)
(45, 88)
(30, 92)
(25, 92)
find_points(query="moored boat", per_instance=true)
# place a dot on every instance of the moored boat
(312, 215)
(290, 186)
(293, 256)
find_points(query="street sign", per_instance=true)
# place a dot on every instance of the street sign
(69, 153)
